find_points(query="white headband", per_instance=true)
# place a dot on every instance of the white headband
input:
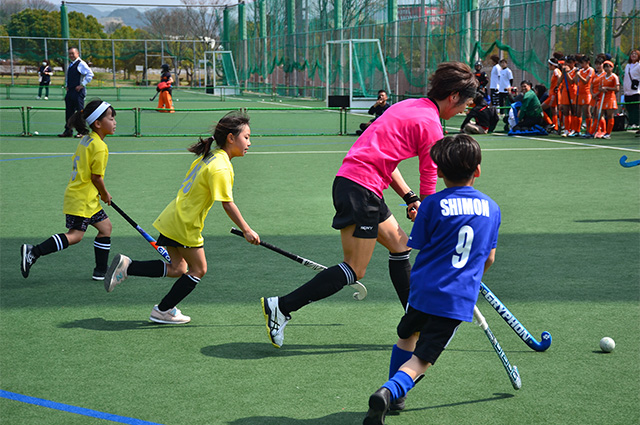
(552, 63)
(96, 114)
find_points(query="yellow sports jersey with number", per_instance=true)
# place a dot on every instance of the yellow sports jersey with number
(208, 180)
(81, 197)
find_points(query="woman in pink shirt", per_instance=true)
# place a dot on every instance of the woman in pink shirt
(406, 130)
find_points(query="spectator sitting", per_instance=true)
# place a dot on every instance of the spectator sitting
(530, 113)
(541, 92)
(376, 110)
(486, 117)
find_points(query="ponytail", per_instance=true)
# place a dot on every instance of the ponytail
(202, 146)
(232, 123)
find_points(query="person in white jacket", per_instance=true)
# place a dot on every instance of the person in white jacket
(631, 89)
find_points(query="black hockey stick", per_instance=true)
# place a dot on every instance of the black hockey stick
(359, 287)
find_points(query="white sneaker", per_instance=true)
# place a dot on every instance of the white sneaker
(276, 321)
(171, 316)
(117, 272)
(606, 136)
(564, 133)
(46, 98)
(38, 97)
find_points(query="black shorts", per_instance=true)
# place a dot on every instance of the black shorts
(358, 205)
(165, 241)
(76, 222)
(435, 332)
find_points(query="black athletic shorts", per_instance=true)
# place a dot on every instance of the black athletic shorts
(165, 241)
(76, 222)
(435, 332)
(358, 205)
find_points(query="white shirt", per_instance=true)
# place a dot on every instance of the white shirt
(505, 79)
(84, 70)
(631, 72)
(495, 77)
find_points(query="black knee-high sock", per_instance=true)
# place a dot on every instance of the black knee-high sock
(400, 271)
(178, 292)
(323, 285)
(55, 243)
(152, 268)
(101, 248)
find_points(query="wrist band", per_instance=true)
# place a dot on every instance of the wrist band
(410, 197)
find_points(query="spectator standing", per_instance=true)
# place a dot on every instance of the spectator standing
(506, 81)
(78, 76)
(45, 72)
(494, 83)
(631, 89)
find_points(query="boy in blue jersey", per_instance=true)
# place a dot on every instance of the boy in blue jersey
(456, 231)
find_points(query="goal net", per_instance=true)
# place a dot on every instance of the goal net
(355, 68)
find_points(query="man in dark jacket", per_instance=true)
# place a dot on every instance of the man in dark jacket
(78, 76)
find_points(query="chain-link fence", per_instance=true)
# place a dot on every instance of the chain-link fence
(279, 46)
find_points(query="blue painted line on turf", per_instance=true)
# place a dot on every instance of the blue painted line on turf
(73, 409)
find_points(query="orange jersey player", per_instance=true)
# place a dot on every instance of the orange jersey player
(550, 106)
(609, 87)
(584, 77)
(568, 93)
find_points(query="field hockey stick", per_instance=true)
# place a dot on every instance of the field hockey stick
(147, 236)
(361, 290)
(154, 96)
(624, 163)
(599, 116)
(512, 371)
(518, 328)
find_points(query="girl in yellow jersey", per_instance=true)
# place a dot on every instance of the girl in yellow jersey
(84, 191)
(209, 179)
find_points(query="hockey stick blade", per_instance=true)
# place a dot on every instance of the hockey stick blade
(161, 250)
(361, 290)
(514, 323)
(512, 370)
(624, 163)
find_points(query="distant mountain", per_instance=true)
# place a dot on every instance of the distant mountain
(87, 10)
(130, 16)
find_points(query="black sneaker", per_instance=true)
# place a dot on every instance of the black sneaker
(378, 407)
(98, 274)
(398, 404)
(65, 134)
(28, 259)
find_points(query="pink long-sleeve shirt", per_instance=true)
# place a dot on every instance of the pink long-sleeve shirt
(407, 129)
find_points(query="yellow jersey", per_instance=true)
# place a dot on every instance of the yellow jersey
(81, 197)
(209, 179)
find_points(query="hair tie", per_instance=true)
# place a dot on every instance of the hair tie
(96, 114)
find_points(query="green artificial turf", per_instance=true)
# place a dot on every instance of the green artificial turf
(568, 262)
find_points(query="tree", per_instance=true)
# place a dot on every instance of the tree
(129, 53)
(34, 24)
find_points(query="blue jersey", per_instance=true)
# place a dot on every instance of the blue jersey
(455, 231)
